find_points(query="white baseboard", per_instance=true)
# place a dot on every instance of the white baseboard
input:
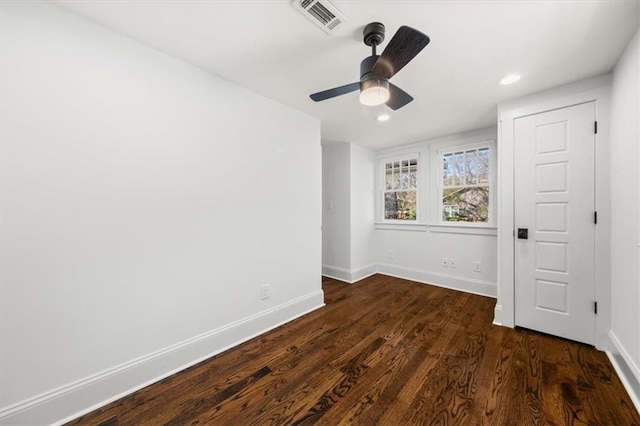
(73, 400)
(497, 315)
(468, 285)
(348, 275)
(626, 368)
(340, 274)
(362, 273)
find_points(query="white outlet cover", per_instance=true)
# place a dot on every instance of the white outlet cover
(264, 292)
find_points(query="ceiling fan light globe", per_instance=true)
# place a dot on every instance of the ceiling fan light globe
(374, 92)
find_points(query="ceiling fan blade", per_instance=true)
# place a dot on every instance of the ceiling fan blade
(403, 47)
(397, 97)
(336, 91)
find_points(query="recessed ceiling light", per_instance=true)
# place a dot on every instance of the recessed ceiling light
(510, 79)
(383, 117)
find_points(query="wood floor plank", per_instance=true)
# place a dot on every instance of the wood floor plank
(386, 351)
(447, 394)
(385, 369)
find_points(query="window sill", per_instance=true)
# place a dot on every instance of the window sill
(400, 226)
(464, 229)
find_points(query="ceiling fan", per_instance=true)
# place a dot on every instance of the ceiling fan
(376, 70)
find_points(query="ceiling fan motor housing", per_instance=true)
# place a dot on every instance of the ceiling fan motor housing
(366, 66)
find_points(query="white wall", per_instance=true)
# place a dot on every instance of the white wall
(362, 211)
(348, 211)
(417, 253)
(144, 203)
(336, 211)
(625, 210)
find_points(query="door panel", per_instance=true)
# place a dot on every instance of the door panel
(554, 186)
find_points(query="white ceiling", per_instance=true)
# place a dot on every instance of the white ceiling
(268, 47)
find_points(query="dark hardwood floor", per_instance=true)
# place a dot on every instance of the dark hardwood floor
(386, 351)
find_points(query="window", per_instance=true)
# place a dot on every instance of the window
(400, 189)
(465, 186)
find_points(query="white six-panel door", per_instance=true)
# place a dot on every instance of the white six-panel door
(554, 202)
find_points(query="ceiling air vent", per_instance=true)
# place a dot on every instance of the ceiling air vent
(320, 12)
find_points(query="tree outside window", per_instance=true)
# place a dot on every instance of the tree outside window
(400, 193)
(465, 185)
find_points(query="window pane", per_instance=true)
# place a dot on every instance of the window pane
(413, 176)
(465, 204)
(404, 175)
(471, 166)
(388, 177)
(447, 169)
(483, 165)
(400, 205)
(395, 179)
(458, 168)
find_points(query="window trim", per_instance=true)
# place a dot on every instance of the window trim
(382, 222)
(438, 151)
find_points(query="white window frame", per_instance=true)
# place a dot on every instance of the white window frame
(437, 223)
(400, 224)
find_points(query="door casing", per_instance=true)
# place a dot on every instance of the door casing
(598, 90)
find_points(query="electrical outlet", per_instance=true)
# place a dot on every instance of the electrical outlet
(477, 266)
(265, 291)
(390, 254)
(445, 262)
(452, 263)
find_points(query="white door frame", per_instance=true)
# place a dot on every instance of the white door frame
(598, 90)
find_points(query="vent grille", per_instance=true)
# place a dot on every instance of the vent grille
(322, 13)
